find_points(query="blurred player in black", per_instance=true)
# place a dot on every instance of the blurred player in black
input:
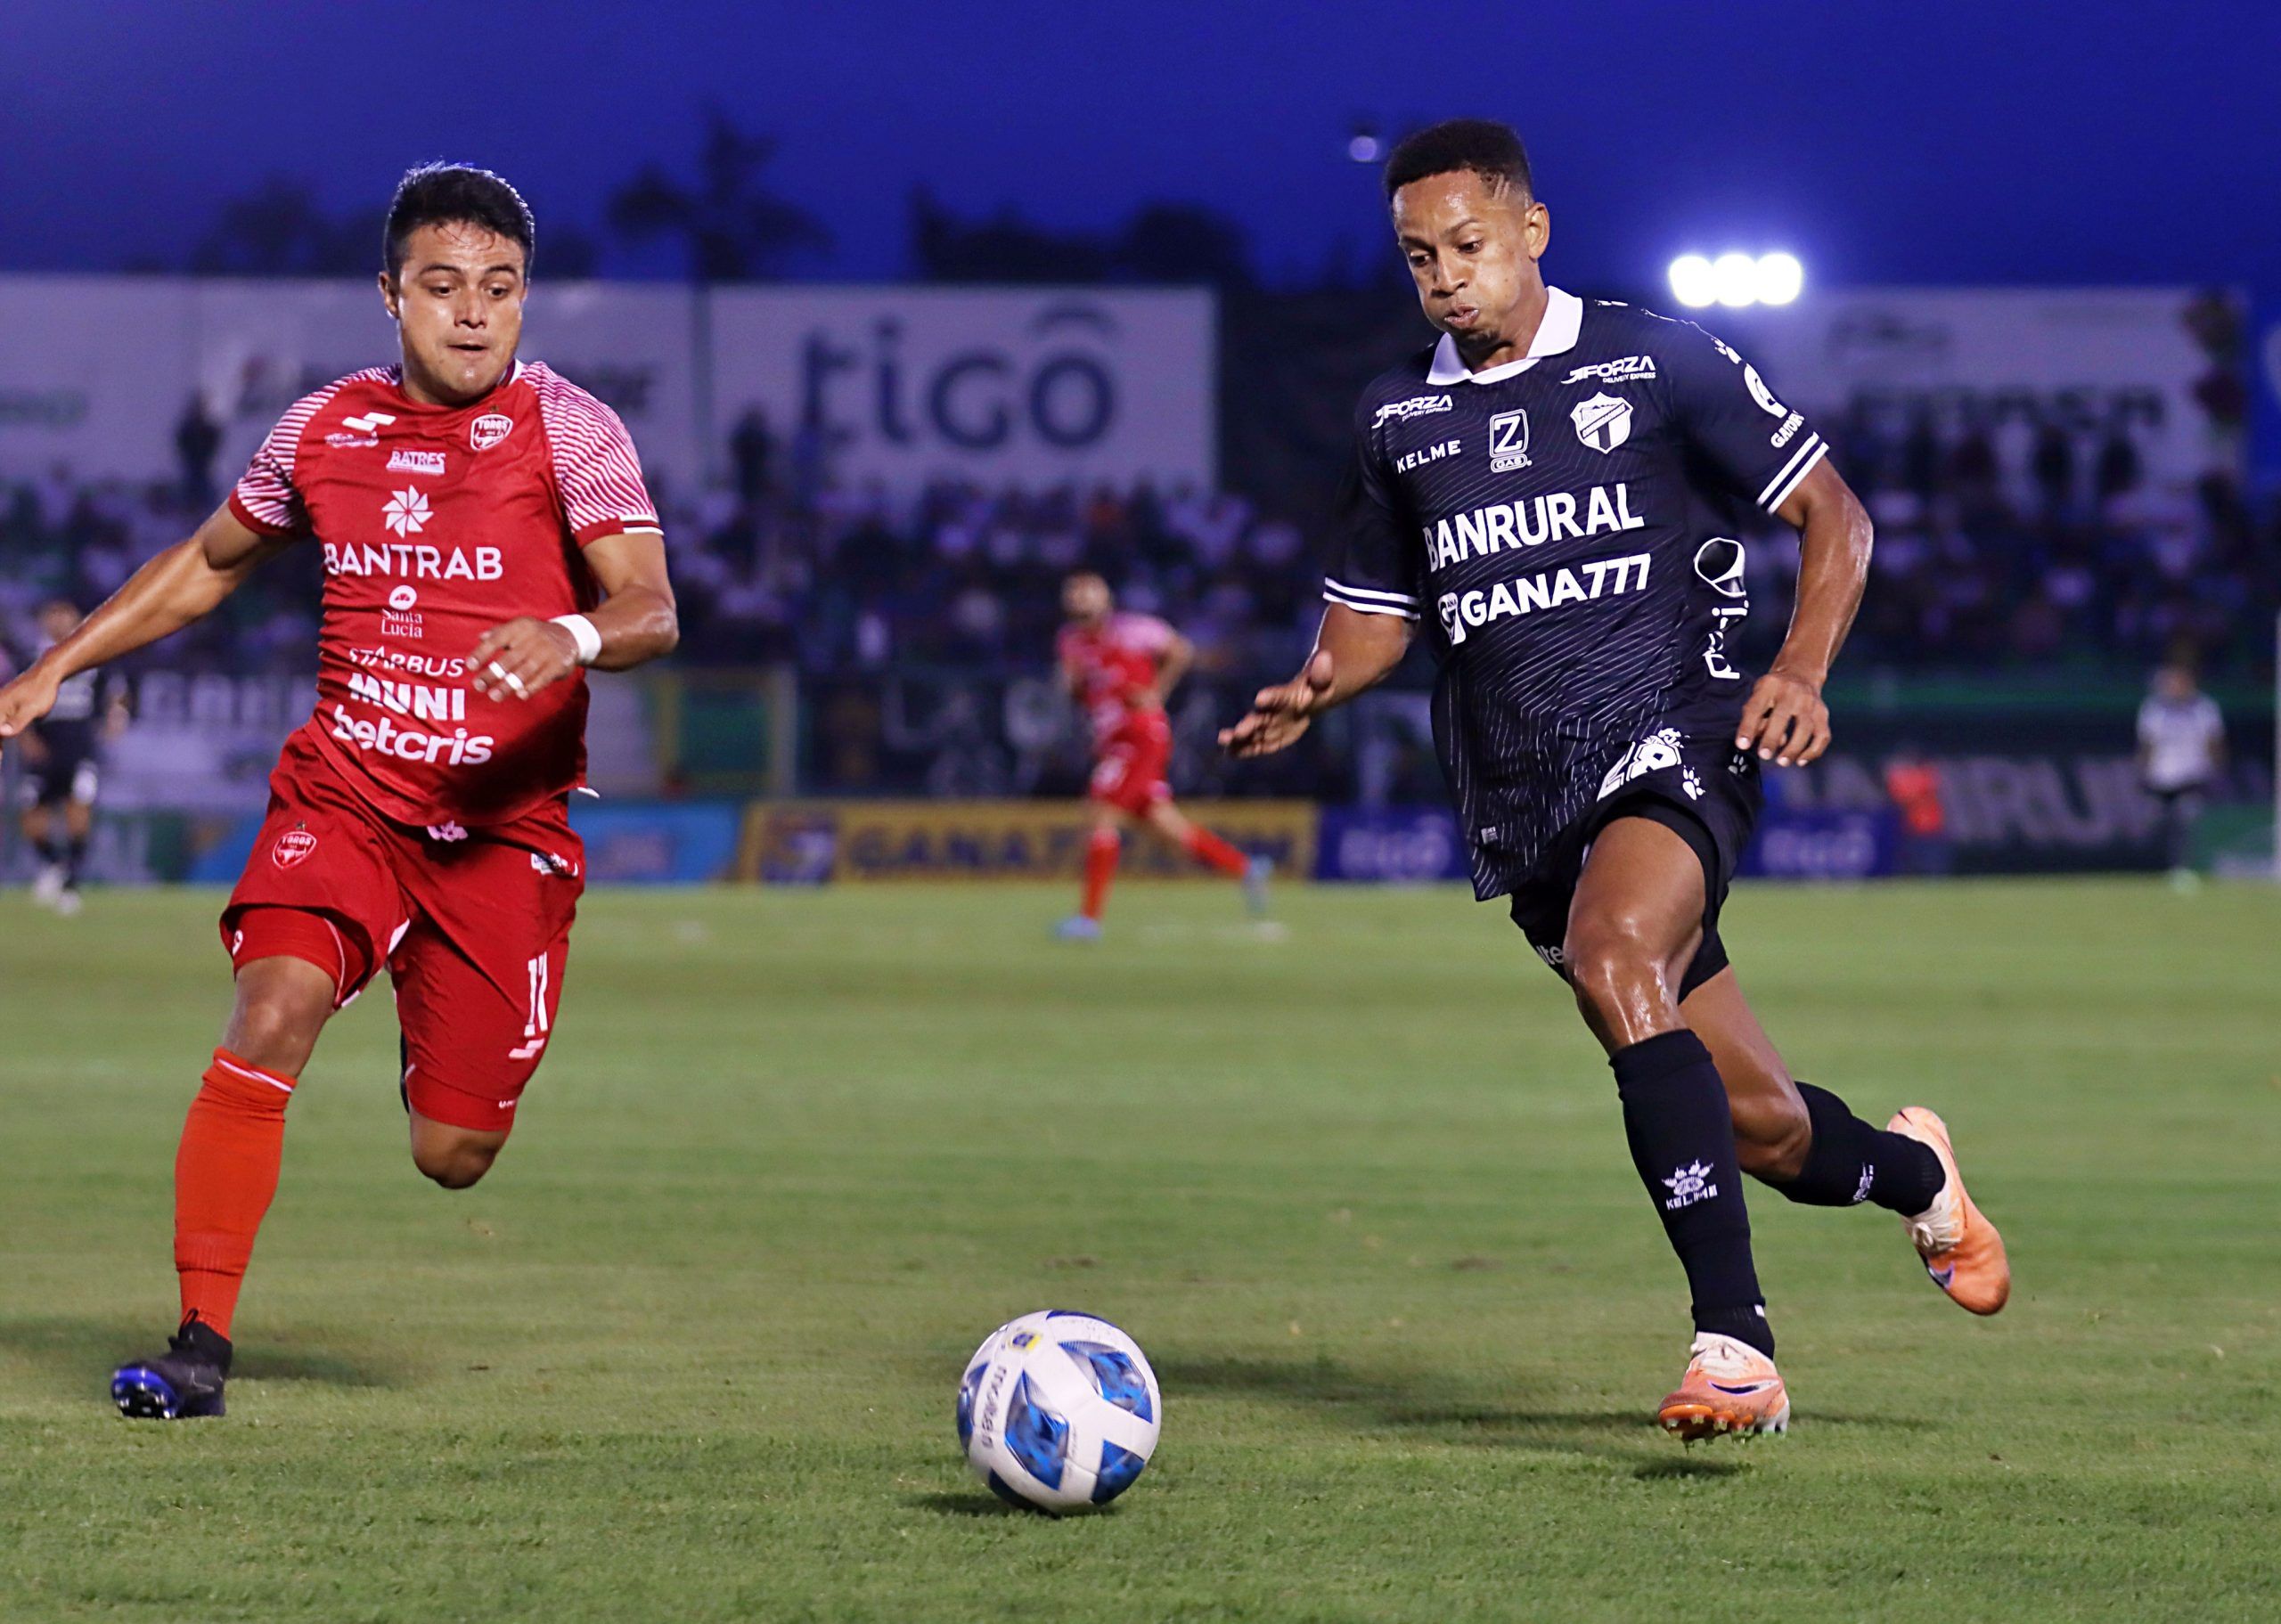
(62, 753)
(1552, 490)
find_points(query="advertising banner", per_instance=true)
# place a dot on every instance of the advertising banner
(1390, 846)
(97, 371)
(811, 843)
(2146, 360)
(1039, 386)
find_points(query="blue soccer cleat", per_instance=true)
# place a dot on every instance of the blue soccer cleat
(1077, 928)
(182, 1385)
(1255, 876)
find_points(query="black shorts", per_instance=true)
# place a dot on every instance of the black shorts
(1710, 798)
(66, 774)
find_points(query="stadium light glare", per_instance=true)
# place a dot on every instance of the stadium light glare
(1692, 283)
(1364, 147)
(1736, 280)
(1780, 278)
(1735, 276)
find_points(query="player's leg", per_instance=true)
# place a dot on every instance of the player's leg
(78, 824)
(1634, 926)
(478, 983)
(291, 966)
(1807, 1144)
(39, 834)
(1104, 848)
(1214, 853)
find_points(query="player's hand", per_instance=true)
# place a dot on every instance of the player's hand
(23, 702)
(1279, 715)
(516, 660)
(1783, 720)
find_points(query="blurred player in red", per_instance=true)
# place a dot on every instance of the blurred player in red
(485, 535)
(1120, 667)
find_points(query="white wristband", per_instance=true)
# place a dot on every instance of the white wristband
(583, 633)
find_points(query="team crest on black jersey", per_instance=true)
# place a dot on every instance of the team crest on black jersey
(1603, 422)
(1508, 442)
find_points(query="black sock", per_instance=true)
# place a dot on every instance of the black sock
(49, 852)
(1682, 1139)
(75, 858)
(1850, 1162)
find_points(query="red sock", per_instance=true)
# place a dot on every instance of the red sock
(225, 1172)
(1207, 848)
(1101, 868)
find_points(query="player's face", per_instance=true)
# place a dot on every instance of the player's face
(1472, 246)
(1084, 598)
(459, 303)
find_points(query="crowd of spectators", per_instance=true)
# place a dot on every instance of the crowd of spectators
(2001, 548)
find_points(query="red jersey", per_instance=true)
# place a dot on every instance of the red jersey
(1112, 663)
(438, 523)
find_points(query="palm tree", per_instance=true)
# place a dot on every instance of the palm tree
(735, 228)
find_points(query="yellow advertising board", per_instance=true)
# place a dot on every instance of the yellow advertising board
(809, 843)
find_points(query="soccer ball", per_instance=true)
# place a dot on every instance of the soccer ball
(1059, 1411)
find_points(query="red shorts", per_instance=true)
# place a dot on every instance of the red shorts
(473, 925)
(1129, 772)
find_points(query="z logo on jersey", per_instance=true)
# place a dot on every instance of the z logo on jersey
(1508, 442)
(1417, 406)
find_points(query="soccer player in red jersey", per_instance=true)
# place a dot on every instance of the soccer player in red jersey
(487, 536)
(1120, 667)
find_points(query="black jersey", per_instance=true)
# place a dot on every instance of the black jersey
(1566, 521)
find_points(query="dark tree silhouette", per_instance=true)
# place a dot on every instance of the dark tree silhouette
(1163, 242)
(734, 227)
(279, 229)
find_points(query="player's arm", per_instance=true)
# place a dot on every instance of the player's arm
(183, 584)
(637, 622)
(1179, 656)
(1785, 719)
(1354, 652)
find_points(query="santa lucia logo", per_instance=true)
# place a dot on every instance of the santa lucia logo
(1689, 1185)
(406, 512)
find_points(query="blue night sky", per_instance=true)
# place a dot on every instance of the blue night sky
(1936, 143)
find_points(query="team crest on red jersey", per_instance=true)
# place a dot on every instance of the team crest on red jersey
(488, 430)
(293, 848)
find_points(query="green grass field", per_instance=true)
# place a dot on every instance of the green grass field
(1361, 1192)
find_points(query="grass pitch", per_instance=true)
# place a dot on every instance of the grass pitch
(1361, 1192)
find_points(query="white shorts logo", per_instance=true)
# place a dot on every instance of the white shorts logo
(1651, 754)
(1508, 442)
(1603, 422)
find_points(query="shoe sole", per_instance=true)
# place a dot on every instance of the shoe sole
(145, 1395)
(1698, 1422)
(142, 1394)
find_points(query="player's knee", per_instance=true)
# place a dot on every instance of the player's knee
(1610, 962)
(453, 1157)
(277, 1019)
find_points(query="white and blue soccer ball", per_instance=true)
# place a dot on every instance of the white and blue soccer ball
(1059, 1411)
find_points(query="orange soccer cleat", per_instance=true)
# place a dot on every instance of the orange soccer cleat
(1961, 1250)
(1730, 1388)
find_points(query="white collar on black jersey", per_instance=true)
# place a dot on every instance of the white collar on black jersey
(1556, 333)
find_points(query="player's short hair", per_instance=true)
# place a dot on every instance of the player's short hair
(1487, 148)
(448, 194)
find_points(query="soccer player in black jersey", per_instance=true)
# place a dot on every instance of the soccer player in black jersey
(65, 746)
(1551, 490)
